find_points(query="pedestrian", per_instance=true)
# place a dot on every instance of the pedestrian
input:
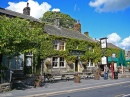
(106, 70)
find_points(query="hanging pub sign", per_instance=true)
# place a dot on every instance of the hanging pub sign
(103, 42)
(28, 61)
(104, 60)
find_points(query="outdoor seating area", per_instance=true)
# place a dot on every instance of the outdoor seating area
(53, 77)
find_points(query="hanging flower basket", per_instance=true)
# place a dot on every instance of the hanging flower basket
(70, 62)
(76, 78)
(84, 63)
(48, 62)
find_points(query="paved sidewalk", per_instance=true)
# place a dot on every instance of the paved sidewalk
(61, 86)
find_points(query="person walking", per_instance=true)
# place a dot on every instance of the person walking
(106, 69)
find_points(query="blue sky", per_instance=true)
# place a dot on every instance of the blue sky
(101, 18)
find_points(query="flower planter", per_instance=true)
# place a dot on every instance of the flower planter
(77, 79)
(37, 83)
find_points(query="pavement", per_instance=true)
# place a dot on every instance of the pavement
(65, 86)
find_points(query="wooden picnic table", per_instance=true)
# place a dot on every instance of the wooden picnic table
(64, 75)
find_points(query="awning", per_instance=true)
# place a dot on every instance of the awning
(110, 59)
(128, 60)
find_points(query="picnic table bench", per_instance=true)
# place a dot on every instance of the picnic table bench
(51, 77)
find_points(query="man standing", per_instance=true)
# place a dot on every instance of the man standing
(106, 69)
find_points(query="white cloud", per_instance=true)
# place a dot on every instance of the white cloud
(56, 9)
(76, 8)
(109, 5)
(37, 10)
(114, 38)
(126, 43)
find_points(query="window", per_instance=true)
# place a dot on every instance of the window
(55, 62)
(62, 46)
(91, 62)
(59, 45)
(58, 62)
(55, 43)
(61, 62)
(91, 49)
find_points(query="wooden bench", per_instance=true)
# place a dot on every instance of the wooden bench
(5, 87)
(18, 79)
(54, 76)
(69, 77)
(86, 75)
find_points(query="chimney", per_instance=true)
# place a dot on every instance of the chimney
(26, 10)
(77, 26)
(86, 33)
(57, 22)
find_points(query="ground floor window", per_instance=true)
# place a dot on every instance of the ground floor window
(90, 63)
(58, 62)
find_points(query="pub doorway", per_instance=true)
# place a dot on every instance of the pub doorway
(76, 65)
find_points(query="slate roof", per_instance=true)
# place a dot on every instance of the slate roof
(110, 45)
(16, 14)
(50, 29)
(67, 33)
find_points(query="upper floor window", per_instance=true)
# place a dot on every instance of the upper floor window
(55, 43)
(62, 45)
(59, 45)
(90, 48)
(58, 62)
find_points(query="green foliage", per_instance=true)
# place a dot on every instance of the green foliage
(110, 51)
(65, 20)
(19, 35)
(47, 49)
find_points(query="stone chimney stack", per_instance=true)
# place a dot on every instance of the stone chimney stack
(26, 10)
(86, 33)
(57, 22)
(77, 26)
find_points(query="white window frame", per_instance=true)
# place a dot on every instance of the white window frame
(58, 45)
(91, 63)
(55, 43)
(58, 62)
(61, 44)
(91, 49)
(55, 61)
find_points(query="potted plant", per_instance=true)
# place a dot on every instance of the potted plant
(84, 63)
(70, 62)
(77, 78)
(37, 81)
(48, 62)
(97, 73)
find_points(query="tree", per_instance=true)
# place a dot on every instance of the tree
(19, 36)
(65, 20)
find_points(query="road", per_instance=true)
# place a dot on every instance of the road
(110, 91)
(87, 88)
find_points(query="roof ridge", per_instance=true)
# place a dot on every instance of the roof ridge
(14, 12)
